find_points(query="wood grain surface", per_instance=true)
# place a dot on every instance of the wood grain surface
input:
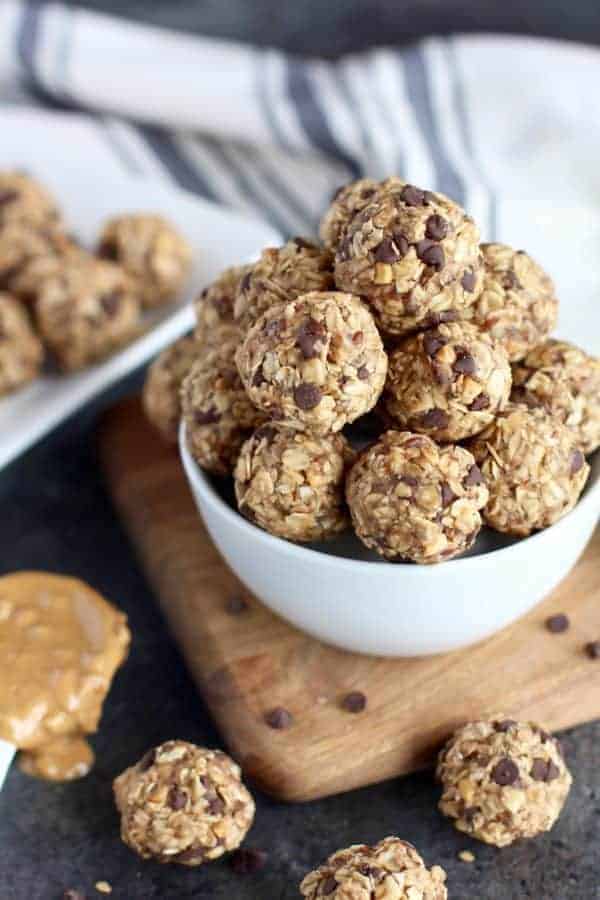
(249, 662)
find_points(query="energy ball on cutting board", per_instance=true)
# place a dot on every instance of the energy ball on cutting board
(315, 363)
(86, 311)
(346, 202)
(533, 468)
(292, 484)
(161, 396)
(23, 199)
(282, 274)
(502, 780)
(218, 413)
(413, 255)
(413, 500)
(565, 381)
(214, 306)
(448, 382)
(183, 804)
(517, 305)
(390, 870)
(21, 351)
(153, 253)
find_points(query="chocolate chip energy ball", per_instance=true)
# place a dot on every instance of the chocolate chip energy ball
(218, 413)
(391, 869)
(153, 253)
(413, 255)
(448, 382)
(502, 780)
(21, 351)
(517, 305)
(314, 364)
(282, 274)
(565, 381)
(346, 202)
(29, 256)
(533, 468)
(23, 199)
(86, 311)
(162, 388)
(412, 500)
(214, 306)
(183, 804)
(292, 484)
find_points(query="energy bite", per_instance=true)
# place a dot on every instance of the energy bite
(21, 351)
(413, 255)
(390, 869)
(292, 484)
(23, 199)
(162, 388)
(315, 363)
(448, 382)
(20, 245)
(218, 413)
(183, 804)
(517, 305)
(153, 253)
(214, 306)
(346, 202)
(502, 780)
(411, 499)
(565, 381)
(533, 468)
(86, 311)
(282, 274)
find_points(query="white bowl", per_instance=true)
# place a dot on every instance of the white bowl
(388, 609)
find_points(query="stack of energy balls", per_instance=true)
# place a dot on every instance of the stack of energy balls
(56, 296)
(401, 320)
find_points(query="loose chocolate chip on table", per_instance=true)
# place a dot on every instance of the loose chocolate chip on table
(279, 718)
(505, 772)
(481, 401)
(387, 252)
(474, 476)
(435, 418)
(593, 649)
(354, 702)
(207, 417)
(431, 254)
(577, 461)
(307, 395)
(328, 887)
(310, 335)
(236, 605)
(247, 860)
(177, 798)
(432, 342)
(412, 196)
(469, 281)
(558, 623)
(436, 228)
(448, 495)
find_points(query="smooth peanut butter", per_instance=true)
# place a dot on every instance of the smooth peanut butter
(60, 645)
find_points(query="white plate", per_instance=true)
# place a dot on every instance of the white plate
(56, 149)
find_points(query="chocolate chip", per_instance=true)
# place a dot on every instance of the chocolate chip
(387, 252)
(435, 418)
(363, 373)
(307, 395)
(505, 772)
(191, 855)
(245, 282)
(108, 250)
(410, 480)
(247, 861)
(473, 476)
(279, 718)
(431, 254)
(505, 725)
(8, 196)
(304, 244)
(468, 281)
(274, 327)
(110, 303)
(147, 760)
(258, 378)
(577, 461)
(558, 623)
(432, 342)
(328, 886)
(436, 228)
(354, 702)
(412, 196)
(464, 364)
(72, 894)
(469, 812)
(435, 319)
(215, 806)
(510, 280)
(593, 649)
(176, 798)
(401, 242)
(236, 605)
(428, 197)
(207, 417)
(544, 770)
(310, 335)
(448, 495)
(481, 401)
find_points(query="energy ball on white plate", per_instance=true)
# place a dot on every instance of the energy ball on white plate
(448, 382)
(183, 804)
(533, 467)
(292, 484)
(218, 413)
(413, 500)
(282, 274)
(565, 381)
(36, 255)
(161, 396)
(390, 870)
(517, 305)
(315, 363)
(214, 306)
(413, 255)
(86, 311)
(23, 199)
(346, 202)
(153, 253)
(21, 351)
(502, 780)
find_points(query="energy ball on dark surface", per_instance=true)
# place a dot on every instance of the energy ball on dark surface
(346, 202)
(23, 199)
(314, 364)
(292, 484)
(390, 870)
(183, 804)
(413, 500)
(517, 305)
(448, 382)
(153, 253)
(413, 255)
(214, 306)
(282, 274)
(502, 780)
(21, 351)
(533, 468)
(162, 389)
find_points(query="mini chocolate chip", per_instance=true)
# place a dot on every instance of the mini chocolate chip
(553, 771)
(8, 196)
(473, 476)
(412, 196)
(247, 861)
(435, 418)
(431, 254)
(304, 244)
(245, 282)
(448, 495)
(310, 335)
(435, 319)
(469, 812)
(510, 280)
(274, 327)
(505, 772)
(208, 417)
(544, 770)
(236, 605)
(110, 302)
(147, 760)
(558, 623)
(176, 798)
(108, 250)
(577, 461)
(436, 228)
(432, 342)
(410, 480)
(428, 197)
(191, 855)
(328, 886)
(279, 718)
(505, 725)
(354, 702)
(258, 378)
(401, 242)
(307, 395)
(481, 401)
(215, 806)
(464, 364)
(363, 373)
(593, 649)
(387, 252)
(366, 193)
(468, 281)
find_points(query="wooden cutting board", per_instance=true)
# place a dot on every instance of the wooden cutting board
(247, 663)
